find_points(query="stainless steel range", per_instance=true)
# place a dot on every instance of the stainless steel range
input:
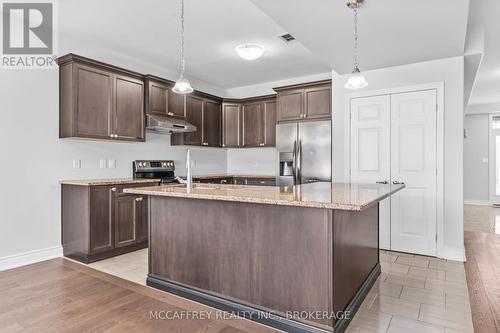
(152, 169)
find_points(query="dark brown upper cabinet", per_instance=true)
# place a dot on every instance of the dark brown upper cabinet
(253, 124)
(204, 112)
(259, 122)
(231, 129)
(99, 101)
(211, 123)
(303, 102)
(249, 122)
(161, 100)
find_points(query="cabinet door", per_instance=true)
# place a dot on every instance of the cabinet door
(211, 123)
(194, 115)
(318, 102)
(157, 98)
(176, 105)
(101, 226)
(290, 105)
(129, 108)
(93, 102)
(125, 219)
(142, 219)
(231, 125)
(270, 124)
(253, 125)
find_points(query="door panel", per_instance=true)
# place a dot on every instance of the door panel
(290, 105)
(101, 227)
(318, 102)
(194, 115)
(125, 220)
(129, 108)
(413, 210)
(253, 125)
(270, 124)
(158, 98)
(231, 125)
(370, 151)
(315, 151)
(176, 104)
(93, 102)
(211, 123)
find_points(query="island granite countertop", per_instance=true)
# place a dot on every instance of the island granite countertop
(341, 196)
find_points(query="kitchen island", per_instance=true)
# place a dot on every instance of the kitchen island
(299, 258)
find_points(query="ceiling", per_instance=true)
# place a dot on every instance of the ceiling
(391, 32)
(149, 30)
(487, 87)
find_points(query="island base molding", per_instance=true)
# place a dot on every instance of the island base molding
(259, 315)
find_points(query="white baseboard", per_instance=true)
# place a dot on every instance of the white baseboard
(30, 257)
(477, 202)
(453, 254)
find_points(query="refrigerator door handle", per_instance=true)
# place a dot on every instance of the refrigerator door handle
(299, 163)
(294, 158)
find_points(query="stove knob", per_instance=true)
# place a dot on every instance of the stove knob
(164, 164)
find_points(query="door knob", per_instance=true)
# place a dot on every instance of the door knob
(398, 182)
(382, 182)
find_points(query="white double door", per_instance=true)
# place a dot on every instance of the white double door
(393, 140)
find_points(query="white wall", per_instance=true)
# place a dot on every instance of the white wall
(476, 155)
(267, 87)
(33, 159)
(252, 161)
(451, 72)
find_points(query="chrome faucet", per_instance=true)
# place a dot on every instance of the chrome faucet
(189, 176)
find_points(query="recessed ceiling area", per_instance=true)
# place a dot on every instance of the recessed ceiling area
(391, 32)
(149, 30)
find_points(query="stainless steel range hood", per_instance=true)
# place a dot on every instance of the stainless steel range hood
(168, 125)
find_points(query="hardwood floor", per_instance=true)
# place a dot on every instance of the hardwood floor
(482, 247)
(62, 296)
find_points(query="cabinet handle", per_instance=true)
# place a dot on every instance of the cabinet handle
(205, 143)
(138, 199)
(113, 189)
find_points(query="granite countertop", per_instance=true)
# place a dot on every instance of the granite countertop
(340, 196)
(98, 182)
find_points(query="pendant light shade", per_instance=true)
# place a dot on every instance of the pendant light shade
(356, 80)
(182, 85)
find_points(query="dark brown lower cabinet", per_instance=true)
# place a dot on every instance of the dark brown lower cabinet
(99, 222)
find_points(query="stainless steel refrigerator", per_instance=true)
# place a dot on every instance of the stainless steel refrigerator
(305, 152)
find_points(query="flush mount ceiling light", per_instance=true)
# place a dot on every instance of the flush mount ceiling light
(182, 85)
(249, 51)
(356, 80)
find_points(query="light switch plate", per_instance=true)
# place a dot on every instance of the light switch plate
(112, 164)
(485, 159)
(103, 164)
(77, 164)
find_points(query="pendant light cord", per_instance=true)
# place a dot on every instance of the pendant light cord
(183, 62)
(356, 63)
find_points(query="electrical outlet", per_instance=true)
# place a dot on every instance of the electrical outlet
(77, 164)
(112, 164)
(103, 164)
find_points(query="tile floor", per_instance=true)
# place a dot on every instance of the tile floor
(413, 293)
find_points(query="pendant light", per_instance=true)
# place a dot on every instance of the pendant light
(356, 79)
(182, 85)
